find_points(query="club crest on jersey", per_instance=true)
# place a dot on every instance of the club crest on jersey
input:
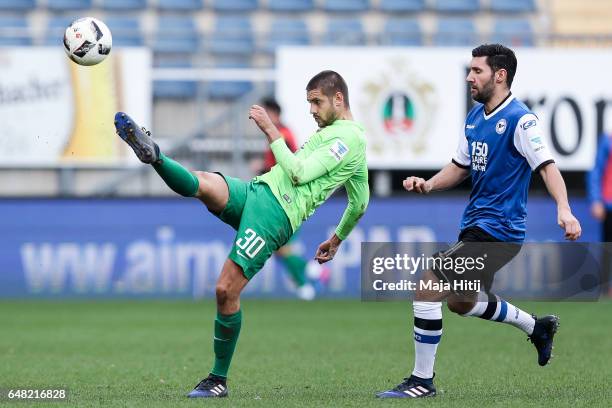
(338, 150)
(500, 126)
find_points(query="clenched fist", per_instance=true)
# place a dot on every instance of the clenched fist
(261, 119)
(417, 184)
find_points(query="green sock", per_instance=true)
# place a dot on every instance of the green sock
(296, 266)
(227, 329)
(178, 178)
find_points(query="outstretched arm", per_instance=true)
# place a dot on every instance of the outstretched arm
(556, 187)
(451, 175)
(358, 193)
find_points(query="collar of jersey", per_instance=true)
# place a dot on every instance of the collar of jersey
(505, 103)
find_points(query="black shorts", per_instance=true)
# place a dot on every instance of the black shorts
(487, 254)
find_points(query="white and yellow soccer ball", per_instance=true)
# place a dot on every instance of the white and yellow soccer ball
(87, 41)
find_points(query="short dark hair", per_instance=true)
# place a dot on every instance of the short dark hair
(498, 57)
(270, 104)
(329, 82)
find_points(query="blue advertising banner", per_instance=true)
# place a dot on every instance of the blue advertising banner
(175, 248)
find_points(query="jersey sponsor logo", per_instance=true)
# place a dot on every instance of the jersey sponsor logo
(470, 126)
(338, 150)
(500, 126)
(528, 124)
(480, 153)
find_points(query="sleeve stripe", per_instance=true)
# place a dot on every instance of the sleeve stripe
(543, 164)
(456, 163)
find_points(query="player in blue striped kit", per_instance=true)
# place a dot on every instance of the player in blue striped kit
(501, 144)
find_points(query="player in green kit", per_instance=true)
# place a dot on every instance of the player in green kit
(268, 209)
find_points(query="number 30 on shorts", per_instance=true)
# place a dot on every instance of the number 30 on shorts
(251, 243)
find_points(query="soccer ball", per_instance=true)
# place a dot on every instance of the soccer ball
(87, 41)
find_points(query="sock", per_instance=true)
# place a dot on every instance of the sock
(296, 266)
(227, 329)
(492, 307)
(427, 334)
(177, 177)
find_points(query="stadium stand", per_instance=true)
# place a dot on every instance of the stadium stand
(68, 5)
(126, 31)
(346, 5)
(235, 5)
(455, 32)
(179, 5)
(233, 35)
(175, 89)
(291, 5)
(17, 5)
(56, 25)
(123, 5)
(510, 6)
(402, 6)
(344, 31)
(286, 31)
(457, 6)
(513, 32)
(176, 35)
(15, 31)
(229, 90)
(402, 31)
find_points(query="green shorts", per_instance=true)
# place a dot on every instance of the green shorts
(259, 220)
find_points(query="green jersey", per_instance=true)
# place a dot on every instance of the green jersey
(334, 156)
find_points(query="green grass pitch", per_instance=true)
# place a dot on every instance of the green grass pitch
(322, 354)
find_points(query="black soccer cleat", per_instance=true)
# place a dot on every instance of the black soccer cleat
(412, 387)
(212, 386)
(542, 337)
(139, 139)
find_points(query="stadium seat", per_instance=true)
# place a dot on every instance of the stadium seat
(513, 33)
(17, 5)
(56, 26)
(343, 31)
(68, 5)
(175, 89)
(228, 90)
(176, 35)
(232, 36)
(402, 31)
(291, 5)
(513, 6)
(235, 5)
(14, 31)
(285, 31)
(126, 31)
(346, 5)
(124, 5)
(402, 6)
(455, 32)
(179, 5)
(457, 6)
